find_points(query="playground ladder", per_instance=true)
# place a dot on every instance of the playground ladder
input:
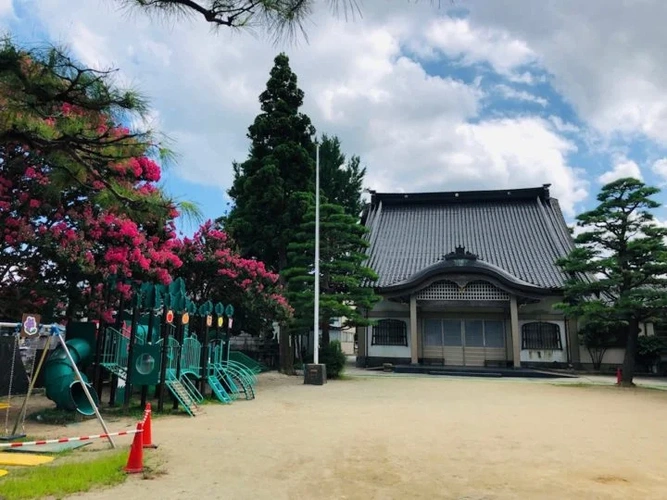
(245, 360)
(182, 394)
(236, 381)
(218, 389)
(226, 381)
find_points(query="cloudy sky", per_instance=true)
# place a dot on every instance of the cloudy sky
(471, 94)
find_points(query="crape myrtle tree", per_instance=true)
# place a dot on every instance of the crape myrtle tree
(79, 199)
(619, 266)
(213, 270)
(80, 203)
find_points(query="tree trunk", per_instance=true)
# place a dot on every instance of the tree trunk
(630, 354)
(286, 361)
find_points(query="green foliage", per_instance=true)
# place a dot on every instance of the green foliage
(334, 358)
(343, 276)
(268, 187)
(649, 349)
(65, 479)
(340, 179)
(278, 18)
(594, 335)
(617, 270)
(597, 338)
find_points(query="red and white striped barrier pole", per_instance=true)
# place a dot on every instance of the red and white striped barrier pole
(67, 440)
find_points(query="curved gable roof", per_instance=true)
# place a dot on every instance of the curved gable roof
(517, 233)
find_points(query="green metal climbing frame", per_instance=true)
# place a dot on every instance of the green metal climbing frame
(245, 360)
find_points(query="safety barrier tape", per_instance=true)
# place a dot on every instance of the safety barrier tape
(66, 440)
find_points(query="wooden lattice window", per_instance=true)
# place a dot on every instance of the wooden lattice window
(540, 335)
(390, 332)
(476, 290)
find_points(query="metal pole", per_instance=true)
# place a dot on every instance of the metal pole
(316, 320)
(33, 380)
(85, 388)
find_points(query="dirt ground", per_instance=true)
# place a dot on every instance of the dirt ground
(410, 437)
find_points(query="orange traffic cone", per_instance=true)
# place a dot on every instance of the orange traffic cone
(135, 461)
(148, 435)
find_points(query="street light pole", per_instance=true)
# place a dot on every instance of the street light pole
(316, 320)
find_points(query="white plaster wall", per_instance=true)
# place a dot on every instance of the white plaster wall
(545, 356)
(613, 356)
(389, 351)
(544, 306)
(386, 306)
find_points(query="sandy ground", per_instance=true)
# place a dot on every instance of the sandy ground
(411, 437)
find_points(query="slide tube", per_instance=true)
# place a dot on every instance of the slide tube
(60, 380)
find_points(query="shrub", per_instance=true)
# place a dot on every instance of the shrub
(334, 358)
(649, 349)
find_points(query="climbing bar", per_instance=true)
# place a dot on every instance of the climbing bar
(66, 440)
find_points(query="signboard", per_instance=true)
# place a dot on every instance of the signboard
(229, 324)
(209, 320)
(30, 325)
(185, 319)
(170, 317)
(220, 321)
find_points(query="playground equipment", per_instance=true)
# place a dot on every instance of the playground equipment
(162, 341)
(62, 385)
(177, 356)
(70, 380)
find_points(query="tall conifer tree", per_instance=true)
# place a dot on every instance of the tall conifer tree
(280, 166)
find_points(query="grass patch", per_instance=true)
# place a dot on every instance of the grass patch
(65, 479)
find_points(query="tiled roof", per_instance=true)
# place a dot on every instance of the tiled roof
(521, 231)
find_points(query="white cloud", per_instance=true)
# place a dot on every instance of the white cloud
(660, 168)
(6, 8)
(519, 95)
(413, 131)
(623, 167)
(527, 78)
(457, 38)
(606, 58)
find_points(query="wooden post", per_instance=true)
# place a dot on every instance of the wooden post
(516, 333)
(414, 352)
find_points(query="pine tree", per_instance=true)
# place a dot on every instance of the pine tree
(618, 269)
(342, 179)
(280, 166)
(343, 277)
(278, 18)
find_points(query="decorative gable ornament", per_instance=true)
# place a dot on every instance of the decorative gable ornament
(461, 254)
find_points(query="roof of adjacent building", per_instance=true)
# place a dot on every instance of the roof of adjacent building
(520, 231)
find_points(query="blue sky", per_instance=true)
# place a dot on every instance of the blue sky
(477, 98)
